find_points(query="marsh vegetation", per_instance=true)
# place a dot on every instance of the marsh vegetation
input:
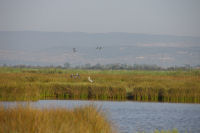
(26, 119)
(52, 83)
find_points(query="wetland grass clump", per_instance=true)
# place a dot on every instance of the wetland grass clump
(166, 95)
(167, 131)
(83, 91)
(18, 92)
(107, 92)
(167, 90)
(164, 131)
(25, 119)
(164, 86)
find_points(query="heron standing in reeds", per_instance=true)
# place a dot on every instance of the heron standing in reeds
(90, 79)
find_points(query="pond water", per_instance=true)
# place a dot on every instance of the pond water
(131, 117)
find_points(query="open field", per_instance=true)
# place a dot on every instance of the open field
(45, 83)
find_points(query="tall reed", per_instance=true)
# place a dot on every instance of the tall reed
(25, 119)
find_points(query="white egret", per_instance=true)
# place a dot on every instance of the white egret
(90, 79)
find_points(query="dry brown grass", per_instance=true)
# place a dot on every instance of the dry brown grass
(25, 119)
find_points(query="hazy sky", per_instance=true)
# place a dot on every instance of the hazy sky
(176, 17)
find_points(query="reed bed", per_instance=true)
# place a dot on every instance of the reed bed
(164, 86)
(26, 119)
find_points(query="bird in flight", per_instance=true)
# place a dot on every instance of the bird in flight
(99, 48)
(74, 50)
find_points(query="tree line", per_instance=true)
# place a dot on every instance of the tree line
(113, 66)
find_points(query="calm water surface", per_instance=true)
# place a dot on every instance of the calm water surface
(131, 117)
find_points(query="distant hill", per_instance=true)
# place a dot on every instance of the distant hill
(56, 48)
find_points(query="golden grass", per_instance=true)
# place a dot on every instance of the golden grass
(25, 119)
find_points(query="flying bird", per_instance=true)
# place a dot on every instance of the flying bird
(74, 50)
(99, 48)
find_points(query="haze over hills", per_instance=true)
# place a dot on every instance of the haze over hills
(56, 48)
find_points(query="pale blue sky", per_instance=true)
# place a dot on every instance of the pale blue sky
(175, 17)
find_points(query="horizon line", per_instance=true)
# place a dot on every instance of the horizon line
(153, 34)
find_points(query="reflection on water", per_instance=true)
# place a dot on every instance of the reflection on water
(130, 116)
